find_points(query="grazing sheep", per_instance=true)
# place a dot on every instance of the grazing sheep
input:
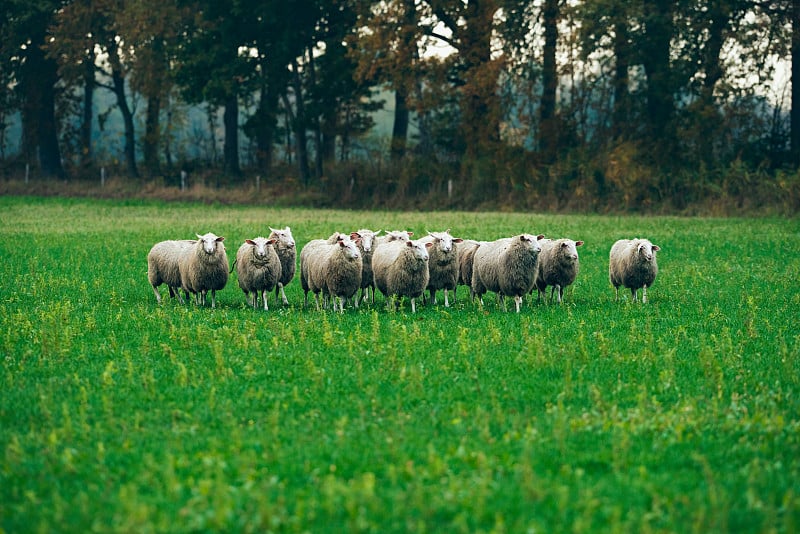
(632, 263)
(442, 263)
(163, 266)
(258, 268)
(558, 266)
(287, 253)
(309, 256)
(507, 267)
(205, 268)
(400, 268)
(465, 254)
(366, 240)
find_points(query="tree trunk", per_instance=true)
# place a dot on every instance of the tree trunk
(621, 109)
(480, 105)
(794, 118)
(299, 126)
(400, 126)
(152, 135)
(230, 153)
(659, 29)
(118, 80)
(265, 125)
(88, 114)
(40, 132)
(548, 128)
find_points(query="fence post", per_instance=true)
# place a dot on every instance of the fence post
(183, 180)
(102, 176)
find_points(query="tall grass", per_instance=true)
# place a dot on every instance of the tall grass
(117, 414)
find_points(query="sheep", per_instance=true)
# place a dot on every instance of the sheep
(366, 240)
(632, 263)
(394, 235)
(558, 266)
(400, 268)
(204, 268)
(442, 263)
(285, 248)
(308, 256)
(342, 265)
(507, 267)
(465, 254)
(163, 266)
(258, 268)
(331, 267)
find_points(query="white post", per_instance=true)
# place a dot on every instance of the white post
(183, 180)
(450, 188)
(102, 176)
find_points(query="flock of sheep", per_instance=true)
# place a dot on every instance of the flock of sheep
(336, 269)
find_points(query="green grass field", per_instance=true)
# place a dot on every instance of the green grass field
(116, 414)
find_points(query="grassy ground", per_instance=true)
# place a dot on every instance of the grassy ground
(120, 415)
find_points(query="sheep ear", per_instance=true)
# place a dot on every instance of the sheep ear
(377, 232)
(428, 245)
(272, 241)
(539, 237)
(354, 235)
(410, 234)
(220, 239)
(199, 236)
(250, 242)
(409, 244)
(578, 243)
(564, 244)
(656, 248)
(341, 242)
(271, 229)
(457, 240)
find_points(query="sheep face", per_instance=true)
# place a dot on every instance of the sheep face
(260, 245)
(570, 251)
(420, 251)
(531, 242)
(646, 251)
(444, 240)
(349, 249)
(284, 237)
(367, 238)
(210, 241)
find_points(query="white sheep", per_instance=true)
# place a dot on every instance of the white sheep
(632, 264)
(285, 247)
(331, 267)
(507, 267)
(366, 240)
(342, 266)
(400, 268)
(205, 268)
(309, 256)
(465, 254)
(442, 263)
(258, 268)
(394, 235)
(558, 266)
(163, 266)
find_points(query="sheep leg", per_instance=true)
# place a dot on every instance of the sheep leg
(178, 294)
(560, 292)
(644, 294)
(413, 306)
(518, 301)
(503, 302)
(283, 295)
(634, 295)
(446, 301)
(213, 298)
(265, 296)
(158, 295)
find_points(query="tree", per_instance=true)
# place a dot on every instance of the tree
(23, 34)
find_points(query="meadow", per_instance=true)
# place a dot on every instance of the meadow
(120, 415)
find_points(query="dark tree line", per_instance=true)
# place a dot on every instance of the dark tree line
(672, 86)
